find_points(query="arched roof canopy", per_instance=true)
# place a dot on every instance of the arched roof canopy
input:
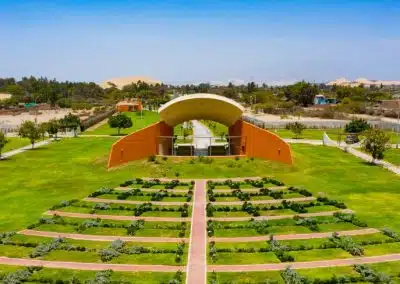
(201, 106)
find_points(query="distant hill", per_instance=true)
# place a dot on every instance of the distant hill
(123, 81)
(364, 81)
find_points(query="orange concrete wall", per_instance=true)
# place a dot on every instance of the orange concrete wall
(140, 144)
(259, 143)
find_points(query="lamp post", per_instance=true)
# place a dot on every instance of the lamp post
(398, 124)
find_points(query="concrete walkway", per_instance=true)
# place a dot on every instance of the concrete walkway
(202, 136)
(23, 149)
(197, 262)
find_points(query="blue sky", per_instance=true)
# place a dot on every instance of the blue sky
(195, 41)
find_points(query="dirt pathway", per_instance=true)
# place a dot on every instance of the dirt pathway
(278, 217)
(102, 238)
(197, 263)
(295, 236)
(116, 217)
(267, 201)
(300, 265)
(89, 266)
(116, 201)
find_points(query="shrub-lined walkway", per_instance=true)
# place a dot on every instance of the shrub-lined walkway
(197, 264)
(102, 238)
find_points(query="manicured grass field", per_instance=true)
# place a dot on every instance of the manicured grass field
(75, 167)
(49, 275)
(138, 121)
(317, 134)
(393, 156)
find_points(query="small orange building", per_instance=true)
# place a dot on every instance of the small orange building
(129, 105)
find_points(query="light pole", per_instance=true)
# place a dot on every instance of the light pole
(398, 123)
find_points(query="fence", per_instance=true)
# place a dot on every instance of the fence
(92, 120)
(320, 124)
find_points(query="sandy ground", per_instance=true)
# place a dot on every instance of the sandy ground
(13, 121)
(272, 117)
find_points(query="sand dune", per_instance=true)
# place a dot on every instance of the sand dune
(123, 81)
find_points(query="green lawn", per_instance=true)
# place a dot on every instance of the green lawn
(139, 122)
(317, 134)
(393, 156)
(179, 131)
(51, 275)
(73, 168)
(247, 277)
(218, 130)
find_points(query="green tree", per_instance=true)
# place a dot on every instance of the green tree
(43, 129)
(296, 127)
(119, 121)
(53, 126)
(3, 141)
(302, 93)
(357, 126)
(70, 121)
(30, 130)
(375, 142)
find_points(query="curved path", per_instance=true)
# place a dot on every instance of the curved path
(116, 217)
(284, 237)
(117, 201)
(267, 201)
(308, 264)
(278, 217)
(89, 266)
(102, 238)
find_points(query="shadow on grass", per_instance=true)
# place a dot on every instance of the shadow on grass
(366, 163)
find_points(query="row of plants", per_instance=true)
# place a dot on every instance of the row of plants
(153, 182)
(237, 184)
(131, 228)
(154, 196)
(138, 210)
(32, 274)
(118, 247)
(254, 210)
(281, 250)
(262, 226)
(113, 250)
